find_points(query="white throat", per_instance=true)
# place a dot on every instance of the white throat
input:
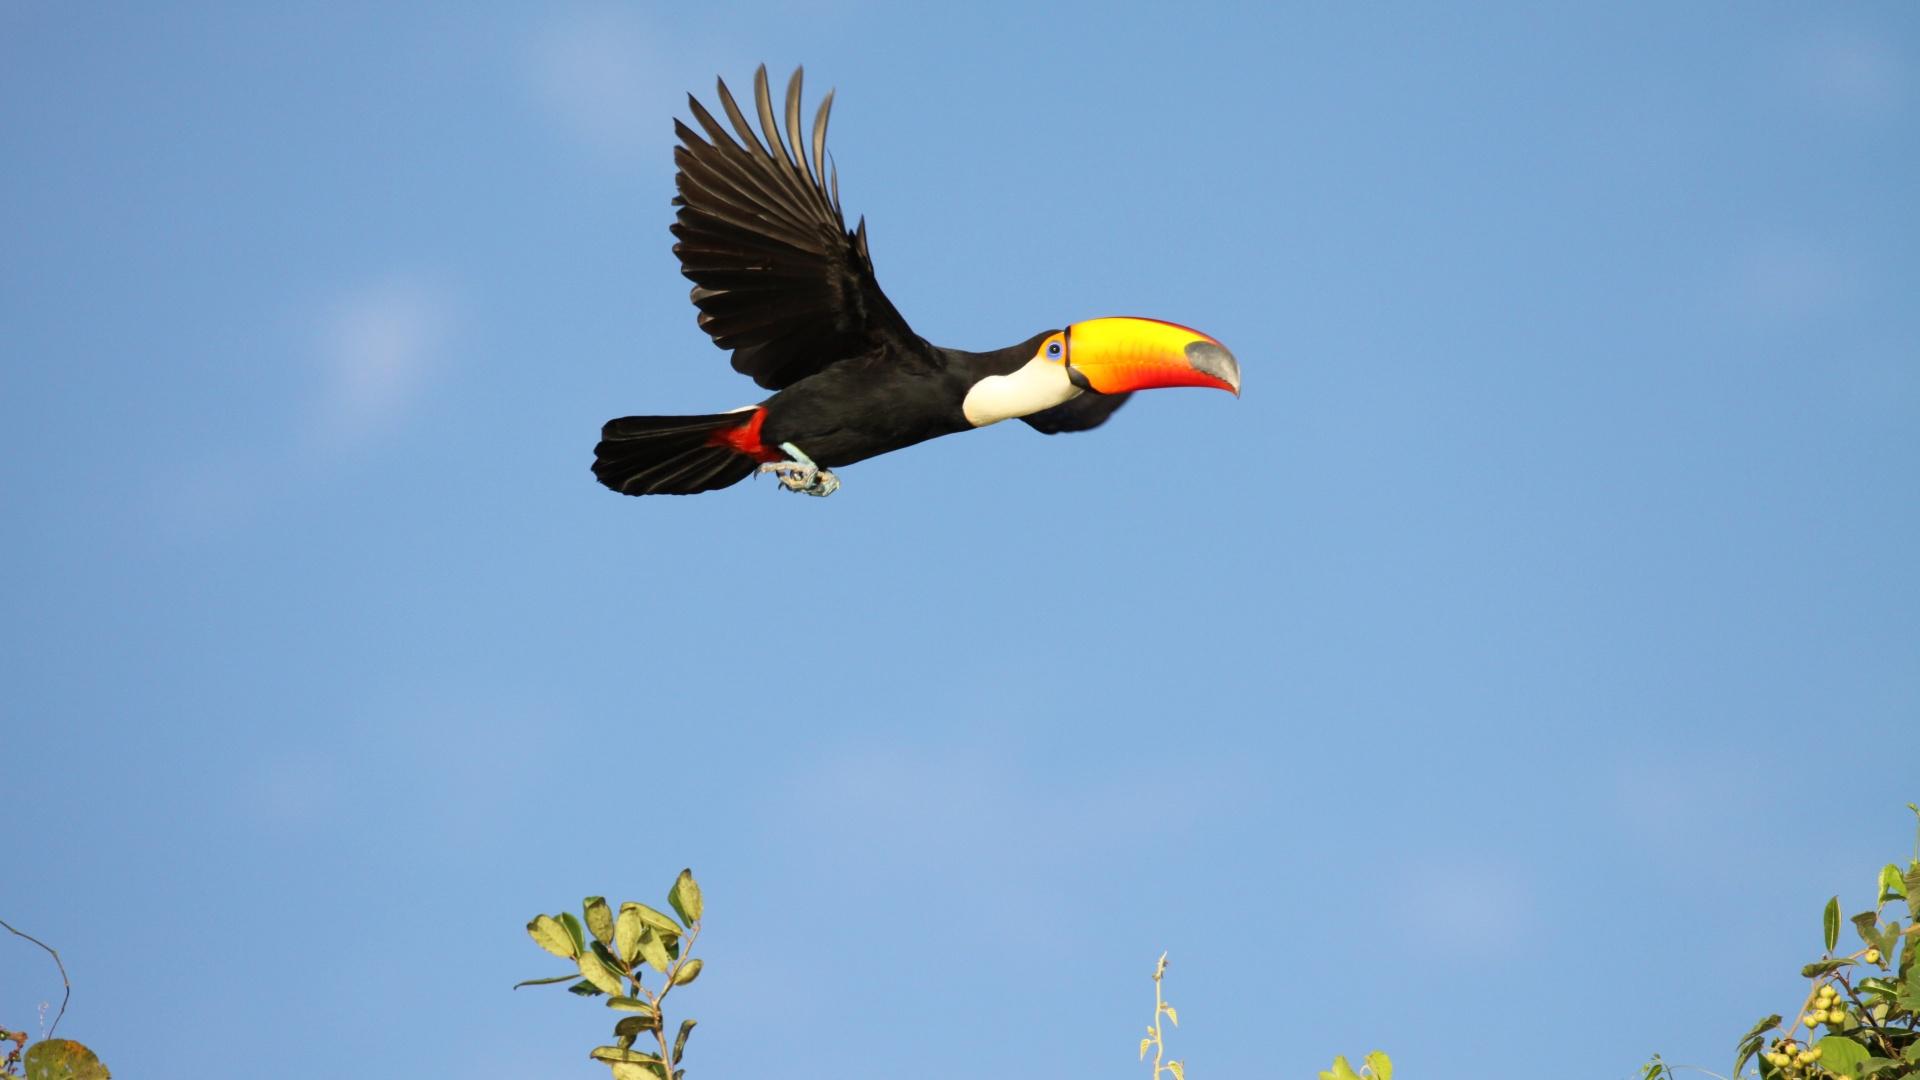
(1037, 385)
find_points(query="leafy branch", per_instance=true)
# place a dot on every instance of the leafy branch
(614, 964)
(64, 981)
(1868, 999)
(1155, 1039)
(50, 1058)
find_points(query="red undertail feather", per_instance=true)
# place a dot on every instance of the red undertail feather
(680, 455)
(745, 439)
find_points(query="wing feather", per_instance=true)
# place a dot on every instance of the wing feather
(778, 277)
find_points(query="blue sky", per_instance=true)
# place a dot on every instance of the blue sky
(1508, 677)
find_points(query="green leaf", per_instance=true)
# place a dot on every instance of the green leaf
(687, 972)
(573, 930)
(599, 918)
(680, 1040)
(584, 989)
(1751, 1042)
(1911, 882)
(636, 1025)
(623, 1056)
(63, 1059)
(595, 971)
(654, 953)
(1910, 994)
(614, 963)
(550, 934)
(1881, 989)
(634, 1005)
(1823, 967)
(1178, 1070)
(1891, 885)
(624, 1071)
(626, 933)
(1877, 1065)
(653, 917)
(1830, 923)
(685, 898)
(543, 982)
(1340, 1071)
(1867, 925)
(1841, 1055)
(1380, 1065)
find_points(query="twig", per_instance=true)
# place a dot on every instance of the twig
(55, 953)
(1867, 1022)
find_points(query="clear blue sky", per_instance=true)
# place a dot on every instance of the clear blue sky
(1509, 676)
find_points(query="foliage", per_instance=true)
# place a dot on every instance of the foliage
(1155, 1039)
(50, 1058)
(63, 1059)
(1867, 1000)
(1375, 1066)
(613, 953)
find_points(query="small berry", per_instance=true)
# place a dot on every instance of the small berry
(1814, 1054)
(1873, 956)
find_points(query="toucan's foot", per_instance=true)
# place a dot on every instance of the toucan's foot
(805, 479)
(801, 474)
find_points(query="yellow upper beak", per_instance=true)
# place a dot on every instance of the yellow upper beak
(1115, 356)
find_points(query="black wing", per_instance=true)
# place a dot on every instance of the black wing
(1084, 413)
(778, 278)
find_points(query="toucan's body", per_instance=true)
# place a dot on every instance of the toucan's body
(782, 282)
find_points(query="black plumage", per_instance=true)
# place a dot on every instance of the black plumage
(784, 284)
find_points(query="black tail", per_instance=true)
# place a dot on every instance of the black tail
(674, 455)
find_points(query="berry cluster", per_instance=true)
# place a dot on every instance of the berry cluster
(1827, 1009)
(1793, 1059)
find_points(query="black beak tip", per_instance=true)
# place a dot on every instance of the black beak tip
(1213, 359)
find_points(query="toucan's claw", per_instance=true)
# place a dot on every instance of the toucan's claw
(803, 477)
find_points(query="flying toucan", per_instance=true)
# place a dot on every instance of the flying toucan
(782, 282)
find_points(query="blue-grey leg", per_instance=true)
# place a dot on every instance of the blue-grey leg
(801, 474)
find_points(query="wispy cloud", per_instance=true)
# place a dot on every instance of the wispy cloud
(1467, 904)
(196, 500)
(380, 345)
(1687, 811)
(1779, 279)
(1852, 70)
(595, 70)
(289, 790)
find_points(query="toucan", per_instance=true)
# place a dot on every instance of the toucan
(782, 283)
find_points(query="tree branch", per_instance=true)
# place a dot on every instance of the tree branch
(55, 953)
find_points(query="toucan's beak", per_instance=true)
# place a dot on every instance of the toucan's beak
(1114, 356)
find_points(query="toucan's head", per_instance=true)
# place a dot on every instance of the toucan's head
(1120, 355)
(1101, 356)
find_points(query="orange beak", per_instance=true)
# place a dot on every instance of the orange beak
(1116, 356)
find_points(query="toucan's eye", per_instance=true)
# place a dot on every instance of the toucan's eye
(1053, 350)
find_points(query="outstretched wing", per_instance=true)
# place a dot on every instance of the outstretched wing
(778, 278)
(1083, 413)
